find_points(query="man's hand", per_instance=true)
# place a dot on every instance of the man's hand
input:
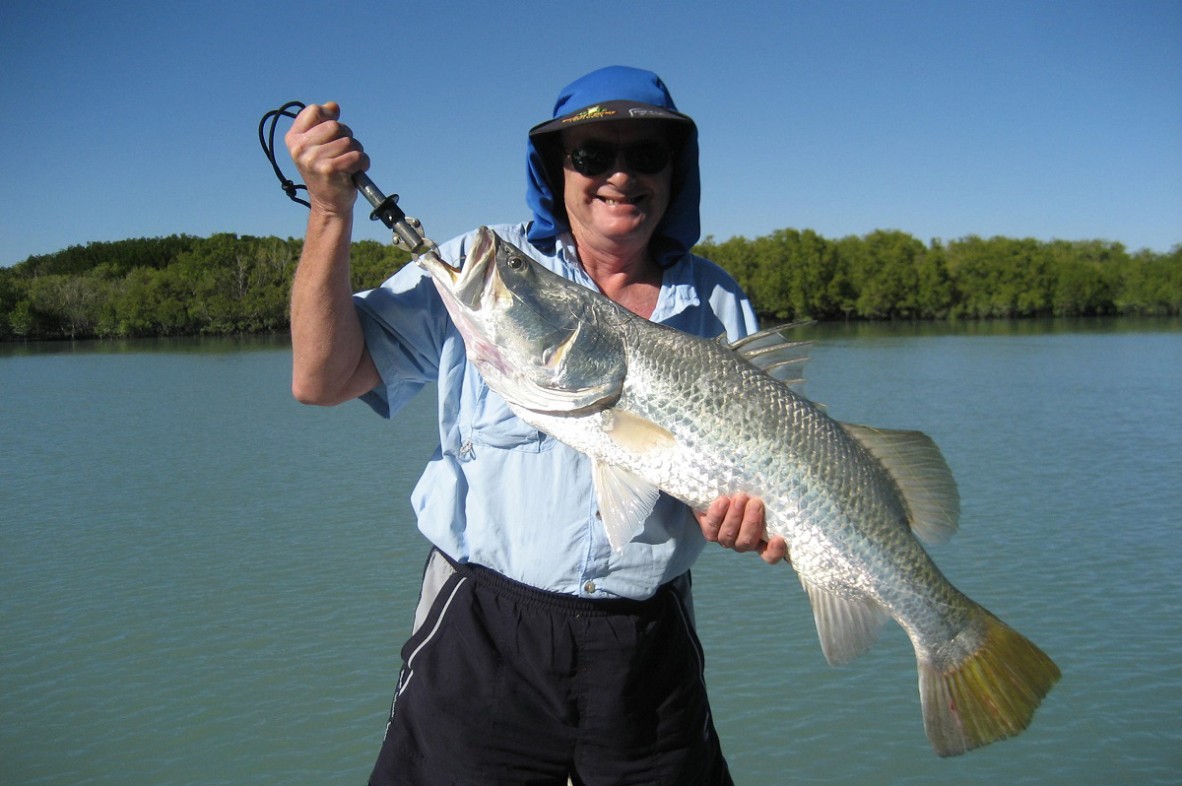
(327, 156)
(738, 523)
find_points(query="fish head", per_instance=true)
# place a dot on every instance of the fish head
(539, 340)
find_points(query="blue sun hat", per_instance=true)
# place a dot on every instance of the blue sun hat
(612, 94)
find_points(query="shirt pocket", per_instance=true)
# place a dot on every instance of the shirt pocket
(494, 425)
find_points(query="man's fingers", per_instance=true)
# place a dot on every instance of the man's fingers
(711, 520)
(732, 522)
(313, 115)
(751, 526)
(774, 550)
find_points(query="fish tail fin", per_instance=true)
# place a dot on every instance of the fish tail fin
(986, 694)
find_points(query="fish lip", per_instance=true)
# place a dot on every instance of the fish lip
(466, 283)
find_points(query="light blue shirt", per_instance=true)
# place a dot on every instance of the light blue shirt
(499, 493)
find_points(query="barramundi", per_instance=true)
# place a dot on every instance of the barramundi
(658, 409)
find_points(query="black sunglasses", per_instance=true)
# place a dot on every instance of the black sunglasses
(594, 158)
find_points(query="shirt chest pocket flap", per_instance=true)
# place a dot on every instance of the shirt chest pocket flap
(494, 425)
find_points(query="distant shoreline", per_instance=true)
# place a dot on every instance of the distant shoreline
(228, 285)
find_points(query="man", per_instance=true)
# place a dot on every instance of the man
(538, 651)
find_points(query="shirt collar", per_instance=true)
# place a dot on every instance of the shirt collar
(677, 294)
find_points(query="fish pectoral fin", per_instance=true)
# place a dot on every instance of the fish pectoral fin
(918, 468)
(846, 626)
(635, 434)
(625, 501)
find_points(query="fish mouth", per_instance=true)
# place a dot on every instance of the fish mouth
(467, 282)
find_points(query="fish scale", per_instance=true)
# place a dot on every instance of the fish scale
(759, 453)
(660, 410)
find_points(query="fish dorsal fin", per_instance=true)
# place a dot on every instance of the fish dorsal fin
(774, 353)
(625, 501)
(918, 468)
(847, 627)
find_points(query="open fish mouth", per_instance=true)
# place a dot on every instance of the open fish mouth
(466, 283)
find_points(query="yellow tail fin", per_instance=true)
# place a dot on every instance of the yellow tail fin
(989, 694)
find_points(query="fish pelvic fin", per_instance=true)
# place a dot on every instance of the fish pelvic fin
(991, 693)
(921, 474)
(625, 501)
(847, 627)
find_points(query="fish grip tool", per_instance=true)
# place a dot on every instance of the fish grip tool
(407, 231)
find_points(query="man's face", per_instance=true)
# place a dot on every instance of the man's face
(622, 203)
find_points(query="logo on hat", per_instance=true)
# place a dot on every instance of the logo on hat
(590, 113)
(651, 111)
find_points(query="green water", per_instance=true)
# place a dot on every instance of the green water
(202, 582)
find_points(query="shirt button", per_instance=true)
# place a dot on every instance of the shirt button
(589, 587)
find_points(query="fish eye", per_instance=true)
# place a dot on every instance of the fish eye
(516, 262)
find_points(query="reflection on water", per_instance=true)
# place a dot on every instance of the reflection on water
(206, 583)
(188, 345)
(998, 327)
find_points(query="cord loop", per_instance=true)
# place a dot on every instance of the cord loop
(267, 140)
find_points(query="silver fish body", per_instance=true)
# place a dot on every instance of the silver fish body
(657, 409)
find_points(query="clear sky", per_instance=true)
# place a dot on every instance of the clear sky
(942, 119)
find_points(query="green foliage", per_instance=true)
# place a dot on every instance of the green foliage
(888, 274)
(789, 274)
(174, 286)
(227, 284)
(1152, 284)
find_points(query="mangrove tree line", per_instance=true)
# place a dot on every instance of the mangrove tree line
(230, 284)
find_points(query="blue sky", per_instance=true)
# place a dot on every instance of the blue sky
(941, 119)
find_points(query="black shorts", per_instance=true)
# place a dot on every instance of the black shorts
(502, 683)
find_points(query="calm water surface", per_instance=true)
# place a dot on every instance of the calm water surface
(202, 582)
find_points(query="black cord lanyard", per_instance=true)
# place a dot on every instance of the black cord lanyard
(267, 140)
(407, 231)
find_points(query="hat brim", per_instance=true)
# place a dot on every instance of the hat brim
(607, 111)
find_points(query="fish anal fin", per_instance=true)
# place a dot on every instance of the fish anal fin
(625, 501)
(990, 694)
(846, 626)
(921, 474)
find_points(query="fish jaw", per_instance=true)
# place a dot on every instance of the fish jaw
(466, 292)
(467, 284)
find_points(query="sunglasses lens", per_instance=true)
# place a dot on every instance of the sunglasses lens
(648, 158)
(595, 158)
(592, 159)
